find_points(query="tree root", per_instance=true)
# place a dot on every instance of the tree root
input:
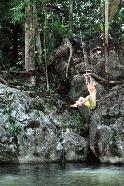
(2, 80)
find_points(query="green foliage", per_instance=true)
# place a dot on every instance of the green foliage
(15, 127)
(88, 16)
(77, 120)
(117, 27)
(17, 10)
(87, 22)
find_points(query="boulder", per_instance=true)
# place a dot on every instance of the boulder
(32, 127)
(106, 127)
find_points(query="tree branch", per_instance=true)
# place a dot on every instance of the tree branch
(95, 76)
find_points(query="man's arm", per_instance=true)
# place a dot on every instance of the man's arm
(83, 101)
(80, 101)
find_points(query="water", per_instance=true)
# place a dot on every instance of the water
(56, 175)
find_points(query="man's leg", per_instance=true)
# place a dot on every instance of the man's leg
(74, 105)
(78, 102)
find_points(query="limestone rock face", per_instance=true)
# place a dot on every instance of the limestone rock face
(107, 127)
(115, 67)
(106, 121)
(45, 121)
(48, 125)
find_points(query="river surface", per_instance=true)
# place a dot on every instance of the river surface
(56, 175)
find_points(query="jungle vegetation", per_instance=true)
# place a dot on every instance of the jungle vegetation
(31, 30)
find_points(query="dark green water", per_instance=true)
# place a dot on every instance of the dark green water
(56, 175)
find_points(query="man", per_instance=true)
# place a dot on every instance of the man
(90, 100)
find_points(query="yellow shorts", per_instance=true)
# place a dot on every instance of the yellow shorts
(90, 104)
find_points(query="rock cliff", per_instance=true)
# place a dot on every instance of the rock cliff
(41, 127)
(106, 121)
(37, 129)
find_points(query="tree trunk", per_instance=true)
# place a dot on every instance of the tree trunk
(106, 20)
(38, 40)
(71, 15)
(29, 38)
(114, 4)
(45, 45)
(106, 33)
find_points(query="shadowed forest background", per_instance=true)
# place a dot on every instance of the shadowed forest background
(31, 31)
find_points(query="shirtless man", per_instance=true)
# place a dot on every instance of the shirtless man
(90, 100)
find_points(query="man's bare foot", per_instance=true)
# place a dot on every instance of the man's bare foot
(74, 105)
